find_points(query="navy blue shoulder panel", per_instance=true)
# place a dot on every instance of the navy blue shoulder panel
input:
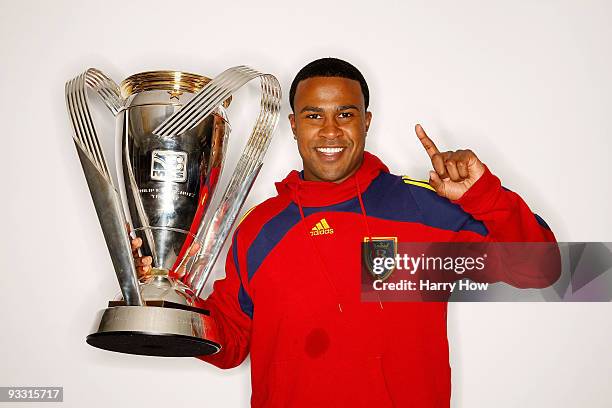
(388, 197)
(541, 221)
(244, 300)
(246, 304)
(269, 236)
(351, 205)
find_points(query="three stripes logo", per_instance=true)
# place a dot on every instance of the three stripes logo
(321, 228)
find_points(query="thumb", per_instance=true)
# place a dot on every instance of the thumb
(436, 182)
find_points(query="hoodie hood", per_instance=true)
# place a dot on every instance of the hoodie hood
(323, 193)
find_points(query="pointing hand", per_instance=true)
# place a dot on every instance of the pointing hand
(454, 172)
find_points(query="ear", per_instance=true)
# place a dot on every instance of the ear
(368, 119)
(292, 123)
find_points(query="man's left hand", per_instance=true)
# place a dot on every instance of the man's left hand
(454, 172)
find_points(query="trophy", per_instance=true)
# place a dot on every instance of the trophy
(172, 132)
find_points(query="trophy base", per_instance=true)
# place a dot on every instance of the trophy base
(152, 344)
(155, 331)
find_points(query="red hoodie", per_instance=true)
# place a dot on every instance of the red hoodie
(291, 296)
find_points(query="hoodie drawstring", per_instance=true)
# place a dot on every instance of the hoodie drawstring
(364, 217)
(316, 249)
(363, 212)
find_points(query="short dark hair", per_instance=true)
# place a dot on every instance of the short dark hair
(330, 67)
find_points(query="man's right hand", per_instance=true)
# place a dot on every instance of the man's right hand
(143, 263)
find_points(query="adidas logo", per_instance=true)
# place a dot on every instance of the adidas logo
(321, 228)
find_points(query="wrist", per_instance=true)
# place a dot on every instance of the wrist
(482, 194)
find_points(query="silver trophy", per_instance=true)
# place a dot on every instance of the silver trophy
(172, 133)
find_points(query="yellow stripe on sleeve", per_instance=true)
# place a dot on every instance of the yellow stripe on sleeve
(245, 215)
(419, 183)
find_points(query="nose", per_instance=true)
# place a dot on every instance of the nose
(330, 129)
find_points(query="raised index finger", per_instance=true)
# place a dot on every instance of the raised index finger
(428, 144)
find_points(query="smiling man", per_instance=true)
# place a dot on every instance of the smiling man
(291, 296)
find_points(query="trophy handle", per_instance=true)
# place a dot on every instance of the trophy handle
(213, 233)
(103, 192)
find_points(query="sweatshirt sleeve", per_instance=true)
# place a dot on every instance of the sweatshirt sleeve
(504, 213)
(231, 310)
(532, 260)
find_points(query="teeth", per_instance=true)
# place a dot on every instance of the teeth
(330, 150)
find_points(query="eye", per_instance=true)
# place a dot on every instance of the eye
(313, 116)
(345, 115)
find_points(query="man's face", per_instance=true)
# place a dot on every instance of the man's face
(330, 124)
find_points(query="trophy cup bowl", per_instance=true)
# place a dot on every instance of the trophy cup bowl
(171, 136)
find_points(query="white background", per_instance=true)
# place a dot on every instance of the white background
(526, 85)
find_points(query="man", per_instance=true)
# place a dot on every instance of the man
(291, 296)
